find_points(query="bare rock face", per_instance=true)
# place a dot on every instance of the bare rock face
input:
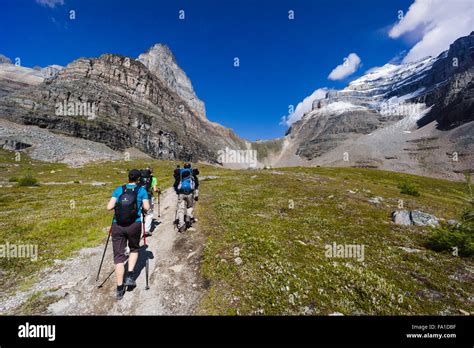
(161, 62)
(128, 106)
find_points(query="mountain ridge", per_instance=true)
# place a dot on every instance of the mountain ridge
(153, 99)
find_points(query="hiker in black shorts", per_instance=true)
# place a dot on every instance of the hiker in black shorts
(127, 201)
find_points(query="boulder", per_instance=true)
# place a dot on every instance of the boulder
(414, 217)
(402, 217)
(423, 219)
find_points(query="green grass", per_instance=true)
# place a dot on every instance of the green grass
(457, 238)
(60, 218)
(28, 180)
(408, 189)
(281, 224)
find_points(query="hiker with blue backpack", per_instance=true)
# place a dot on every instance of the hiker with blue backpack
(186, 186)
(128, 201)
(149, 182)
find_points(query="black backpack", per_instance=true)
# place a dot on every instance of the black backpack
(126, 209)
(145, 179)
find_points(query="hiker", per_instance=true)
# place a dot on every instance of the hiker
(149, 182)
(186, 186)
(128, 201)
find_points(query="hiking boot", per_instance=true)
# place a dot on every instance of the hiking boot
(193, 220)
(129, 281)
(148, 234)
(120, 292)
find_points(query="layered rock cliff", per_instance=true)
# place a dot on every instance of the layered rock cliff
(129, 106)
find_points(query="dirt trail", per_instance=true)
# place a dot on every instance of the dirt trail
(175, 285)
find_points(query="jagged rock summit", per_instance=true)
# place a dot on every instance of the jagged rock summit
(162, 63)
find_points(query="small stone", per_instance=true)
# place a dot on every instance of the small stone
(236, 251)
(376, 200)
(410, 250)
(98, 183)
(238, 261)
(336, 314)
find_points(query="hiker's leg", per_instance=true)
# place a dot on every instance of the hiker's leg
(190, 206)
(119, 242)
(134, 235)
(149, 216)
(119, 273)
(181, 209)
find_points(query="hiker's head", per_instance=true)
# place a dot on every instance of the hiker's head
(134, 175)
(187, 165)
(149, 169)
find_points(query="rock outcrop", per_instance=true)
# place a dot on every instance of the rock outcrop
(162, 63)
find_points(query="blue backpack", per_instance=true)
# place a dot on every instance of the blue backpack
(186, 181)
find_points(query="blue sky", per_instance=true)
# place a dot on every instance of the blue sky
(281, 61)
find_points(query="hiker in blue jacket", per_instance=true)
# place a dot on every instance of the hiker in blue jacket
(186, 186)
(128, 201)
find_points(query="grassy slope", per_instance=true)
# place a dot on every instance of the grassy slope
(43, 215)
(285, 270)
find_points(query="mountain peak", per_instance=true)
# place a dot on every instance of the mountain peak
(160, 60)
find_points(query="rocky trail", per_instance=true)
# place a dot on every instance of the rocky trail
(175, 284)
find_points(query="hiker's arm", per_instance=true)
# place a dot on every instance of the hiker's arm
(111, 204)
(146, 205)
(176, 183)
(196, 182)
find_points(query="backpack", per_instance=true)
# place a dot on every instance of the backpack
(145, 179)
(126, 209)
(186, 182)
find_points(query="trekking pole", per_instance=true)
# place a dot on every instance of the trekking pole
(105, 249)
(159, 204)
(147, 265)
(175, 223)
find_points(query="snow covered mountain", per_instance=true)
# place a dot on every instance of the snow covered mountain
(416, 117)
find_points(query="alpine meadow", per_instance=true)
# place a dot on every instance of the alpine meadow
(237, 158)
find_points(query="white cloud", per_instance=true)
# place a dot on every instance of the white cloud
(437, 22)
(303, 107)
(350, 65)
(50, 3)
